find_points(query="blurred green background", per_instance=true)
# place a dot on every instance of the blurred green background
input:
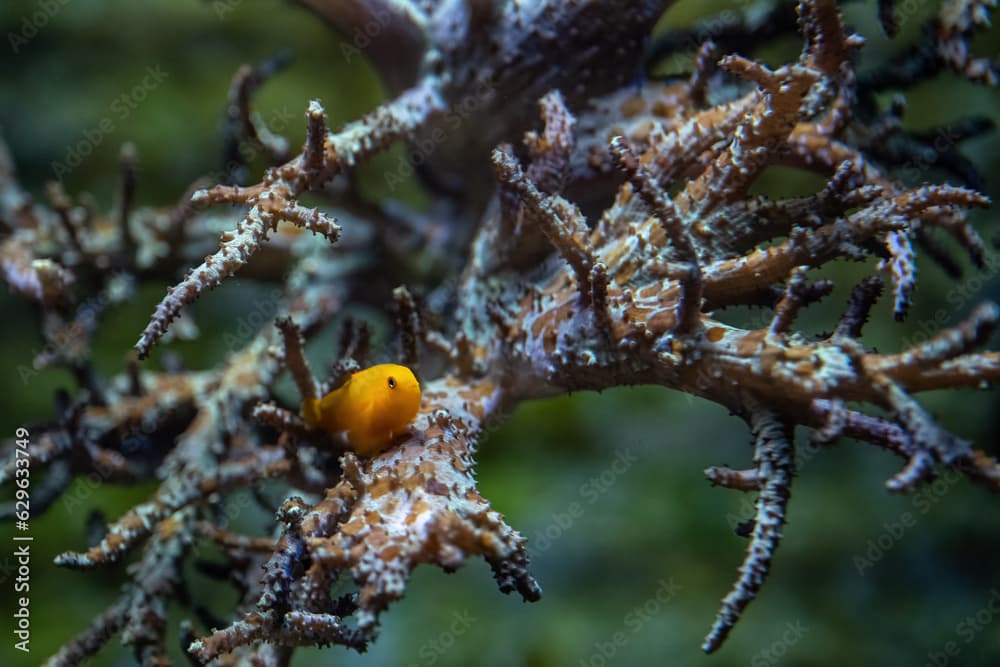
(633, 557)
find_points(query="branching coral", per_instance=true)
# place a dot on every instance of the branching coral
(550, 300)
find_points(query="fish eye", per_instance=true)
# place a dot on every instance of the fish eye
(392, 382)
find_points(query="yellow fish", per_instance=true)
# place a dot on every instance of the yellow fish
(373, 407)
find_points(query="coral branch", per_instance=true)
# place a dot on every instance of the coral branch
(273, 200)
(788, 307)
(948, 344)
(704, 66)
(175, 494)
(774, 457)
(562, 222)
(904, 268)
(314, 153)
(295, 360)
(127, 162)
(740, 480)
(410, 327)
(863, 297)
(887, 17)
(599, 300)
(241, 124)
(668, 215)
(104, 627)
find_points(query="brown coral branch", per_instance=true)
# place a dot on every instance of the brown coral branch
(887, 17)
(863, 297)
(739, 480)
(235, 541)
(599, 300)
(127, 163)
(294, 358)
(724, 279)
(972, 333)
(89, 642)
(774, 457)
(704, 67)
(274, 200)
(777, 108)
(946, 45)
(314, 152)
(60, 203)
(410, 327)
(158, 576)
(903, 264)
(980, 370)
(241, 124)
(562, 222)
(955, 24)
(787, 309)
(668, 215)
(139, 522)
(355, 340)
(929, 442)
(551, 150)
(41, 280)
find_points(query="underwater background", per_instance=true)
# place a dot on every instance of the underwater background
(632, 546)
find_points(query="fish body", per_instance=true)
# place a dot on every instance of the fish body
(372, 408)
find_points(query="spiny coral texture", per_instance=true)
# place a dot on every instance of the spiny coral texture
(550, 299)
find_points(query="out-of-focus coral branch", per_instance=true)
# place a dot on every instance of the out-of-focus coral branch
(273, 199)
(139, 522)
(242, 124)
(946, 46)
